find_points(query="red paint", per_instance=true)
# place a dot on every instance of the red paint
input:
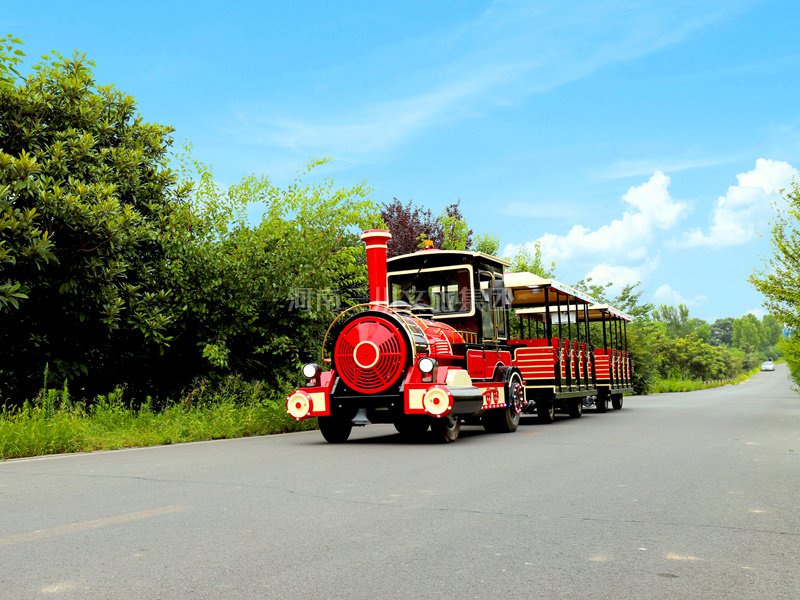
(376, 240)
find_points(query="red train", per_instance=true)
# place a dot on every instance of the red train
(450, 337)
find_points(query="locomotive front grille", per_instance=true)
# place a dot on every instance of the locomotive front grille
(370, 354)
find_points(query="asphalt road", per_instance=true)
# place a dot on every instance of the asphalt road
(675, 496)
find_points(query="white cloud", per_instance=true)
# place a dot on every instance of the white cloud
(666, 294)
(626, 238)
(621, 275)
(745, 210)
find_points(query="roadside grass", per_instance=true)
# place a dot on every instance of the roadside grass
(53, 423)
(661, 386)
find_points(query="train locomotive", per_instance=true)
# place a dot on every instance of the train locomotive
(448, 337)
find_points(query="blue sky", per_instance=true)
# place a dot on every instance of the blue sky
(637, 141)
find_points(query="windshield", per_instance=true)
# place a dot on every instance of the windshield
(447, 291)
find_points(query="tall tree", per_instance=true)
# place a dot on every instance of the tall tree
(780, 280)
(85, 193)
(722, 332)
(527, 259)
(410, 225)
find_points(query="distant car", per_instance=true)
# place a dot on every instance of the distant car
(768, 365)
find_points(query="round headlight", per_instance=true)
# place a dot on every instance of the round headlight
(310, 370)
(426, 365)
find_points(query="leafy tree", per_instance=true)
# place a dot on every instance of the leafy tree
(117, 270)
(779, 281)
(411, 224)
(456, 234)
(531, 261)
(257, 299)
(746, 333)
(722, 332)
(85, 193)
(487, 244)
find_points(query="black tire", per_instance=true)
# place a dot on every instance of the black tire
(412, 427)
(546, 412)
(446, 429)
(575, 408)
(616, 401)
(506, 420)
(335, 430)
(601, 404)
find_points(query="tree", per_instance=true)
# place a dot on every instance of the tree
(411, 224)
(531, 260)
(257, 299)
(779, 281)
(456, 234)
(85, 193)
(722, 332)
(116, 270)
(488, 244)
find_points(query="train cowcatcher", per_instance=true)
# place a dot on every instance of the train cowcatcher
(449, 337)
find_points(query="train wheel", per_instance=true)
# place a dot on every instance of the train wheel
(575, 408)
(546, 411)
(601, 403)
(446, 429)
(506, 420)
(335, 430)
(412, 426)
(616, 401)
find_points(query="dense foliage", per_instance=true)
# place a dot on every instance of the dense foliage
(780, 280)
(117, 270)
(411, 225)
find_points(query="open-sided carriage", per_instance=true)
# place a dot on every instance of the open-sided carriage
(447, 338)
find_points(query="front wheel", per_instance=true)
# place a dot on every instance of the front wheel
(616, 401)
(335, 430)
(446, 429)
(601, 404)
(412, 426)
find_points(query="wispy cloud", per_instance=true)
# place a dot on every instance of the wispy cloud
(624, 169)
(511, 51)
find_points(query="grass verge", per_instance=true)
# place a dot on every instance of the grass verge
(662, 386)
(53, 424)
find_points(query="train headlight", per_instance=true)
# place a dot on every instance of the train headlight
(426, 365)
(311, 372)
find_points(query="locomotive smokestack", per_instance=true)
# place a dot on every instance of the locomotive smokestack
(376, 240)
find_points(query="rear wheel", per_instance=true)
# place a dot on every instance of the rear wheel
(506, 420)
(446, 429)
(335, 429)
(412, 426)
(546, 411)
(575, 408)
(616, 401)
(601, 403)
